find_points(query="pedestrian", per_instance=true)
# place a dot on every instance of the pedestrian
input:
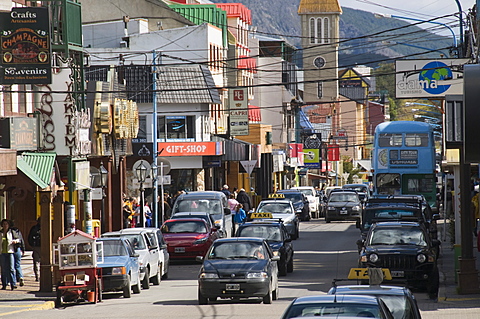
(244, 199)
(225, 190)
(148, 215)
(34, 242)
(167, 209)
(127, 216)
(235, 192)
(7, 257)
(240, 215)
(19, 252)
(232, 203)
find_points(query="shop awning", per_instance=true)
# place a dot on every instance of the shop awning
(37, 166)
(254, 114)
(305, 123)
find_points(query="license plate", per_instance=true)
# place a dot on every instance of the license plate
(179, 249)
(343, 212)
(232, 287)
(397, 273)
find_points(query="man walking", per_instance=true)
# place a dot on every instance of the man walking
(34, 242)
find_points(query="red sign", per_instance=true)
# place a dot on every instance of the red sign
(333, 152)
(238, 95)
(294, 149)
(190, 149)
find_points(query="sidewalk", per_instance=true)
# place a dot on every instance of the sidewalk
(27, 297)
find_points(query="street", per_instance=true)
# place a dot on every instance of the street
(323, 252)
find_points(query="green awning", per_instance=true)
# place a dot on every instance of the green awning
(37, 166)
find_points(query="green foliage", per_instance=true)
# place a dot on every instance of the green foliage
(348, 168)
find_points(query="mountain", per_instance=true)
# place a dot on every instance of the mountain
(364, 39)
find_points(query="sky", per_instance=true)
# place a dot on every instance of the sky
(417, 9)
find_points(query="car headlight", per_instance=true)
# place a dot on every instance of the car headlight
(208, 275)
(200, 241)
(331, 208)
(119, 271)
(373, 258)
(356, 208)
(257, 275)
(421, 258)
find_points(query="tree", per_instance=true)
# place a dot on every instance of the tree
(348, 168)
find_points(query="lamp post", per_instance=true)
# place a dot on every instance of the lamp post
(103, 183)
(141, 176)
(155, 191)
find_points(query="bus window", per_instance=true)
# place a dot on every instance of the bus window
(388, 140)
(388, 184)
(415, 139)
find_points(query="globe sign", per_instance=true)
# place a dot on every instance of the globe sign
(436, 71)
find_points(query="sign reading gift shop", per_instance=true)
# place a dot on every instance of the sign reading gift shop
(191, 149)
(25, 46)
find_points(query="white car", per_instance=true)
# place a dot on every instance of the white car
(151, 254)
(313, 199)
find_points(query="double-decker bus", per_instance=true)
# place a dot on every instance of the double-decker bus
(403, 160)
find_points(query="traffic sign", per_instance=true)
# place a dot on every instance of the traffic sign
(166, 165)
(249, 165)
(145, 164)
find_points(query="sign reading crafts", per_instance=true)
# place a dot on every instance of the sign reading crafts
(191, 149)
(429, 78)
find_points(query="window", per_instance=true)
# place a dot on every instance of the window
(326, 31)
(312, 30)
(388, 140)
(176, 128)
(416, 139)
(319, 31)
(320, 89)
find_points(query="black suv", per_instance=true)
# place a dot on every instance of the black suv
(406, 250)
(277, 237)
(344, 205)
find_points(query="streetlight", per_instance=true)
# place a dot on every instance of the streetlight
(141, 176)
(155, 191)
(103, 183)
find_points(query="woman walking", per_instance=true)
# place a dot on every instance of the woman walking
(7, 259)
(19, 249)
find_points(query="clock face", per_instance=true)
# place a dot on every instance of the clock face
(319, 62)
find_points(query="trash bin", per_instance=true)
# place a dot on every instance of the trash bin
(96, 227)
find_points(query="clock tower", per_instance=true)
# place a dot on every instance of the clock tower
(320, 38)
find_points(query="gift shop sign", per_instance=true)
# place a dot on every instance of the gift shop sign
(25, 46)
(190, 149)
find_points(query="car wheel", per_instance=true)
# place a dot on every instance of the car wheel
(275, 294)
(267, 299)
(157, 278)
(202, 300)
(145, 281)
(290, 265)
(282, 268)
(127, 290)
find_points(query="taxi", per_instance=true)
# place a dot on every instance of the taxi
(277, 208)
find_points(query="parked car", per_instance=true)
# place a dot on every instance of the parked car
(278, 209)
(120, 267)
(406, 250)
(277, 237)
(151, 255)
(313, 199)
(238, 268)
(399, 300)
(337, 306)
(344, 205)
(299, 201)
(212, 202)
(362, 190)
(206, 216)
(188, 238)
(156, 233)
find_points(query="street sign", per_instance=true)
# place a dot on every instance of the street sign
(249, 165)
(167, 180)
(166, 165)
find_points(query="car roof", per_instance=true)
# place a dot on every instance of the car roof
(240, 239)
(275, 200)
(343, 190)
(370, 289)
(191, 213)
(339, 298)
(202, 195)
(396, 224)
(261, 223)
(289, 191)
(171, 219)
(132, 231)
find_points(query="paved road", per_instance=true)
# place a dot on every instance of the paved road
(323, 252)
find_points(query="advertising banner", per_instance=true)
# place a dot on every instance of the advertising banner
(312, 157)
(428, 78)
(238, 101)
(25, 46)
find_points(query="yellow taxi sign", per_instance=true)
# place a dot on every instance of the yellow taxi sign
(276, 196)
(362, 273)
(261, 215)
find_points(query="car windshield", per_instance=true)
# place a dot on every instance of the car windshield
(294, 197)
(207, 218)
(357, 188)
(210, 206)
(184, 227)
(238, 250)
(306, 191)
(399, 306)
(269, 233)
(113, 248)
(333, 310)
(337, 197)
(136, 240)
(274, 208)
(397, 236)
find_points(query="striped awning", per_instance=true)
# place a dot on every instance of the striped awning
(38, 167)
(254, 114)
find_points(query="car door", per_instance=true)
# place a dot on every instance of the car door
(133, 263)
(154, 255)
(287, 243)
(272, 266)
(164, 255)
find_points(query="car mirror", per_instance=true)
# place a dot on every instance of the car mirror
(276, 258)
(199, 258)
(135, 255)
(227, 211)
(164, 246)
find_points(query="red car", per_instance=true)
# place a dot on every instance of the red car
(188, 238)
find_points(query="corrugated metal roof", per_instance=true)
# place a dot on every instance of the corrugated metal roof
(186, 85)
(37, 166)
(319, 6)
(236, 10)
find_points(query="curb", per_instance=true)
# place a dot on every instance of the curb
(44, 306)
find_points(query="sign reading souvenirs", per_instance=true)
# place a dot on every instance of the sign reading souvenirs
(25, 46)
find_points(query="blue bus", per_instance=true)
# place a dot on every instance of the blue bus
(403, 160)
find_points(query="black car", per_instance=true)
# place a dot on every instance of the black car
(276, 235)
(406, 250)
(238, 267)
(399, 300)
(344, 205)
(362, 190)
(299, 201)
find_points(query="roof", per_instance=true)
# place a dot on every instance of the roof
(202, 195)
(370, 290)
(337, 298)
(37, 166)
(396, 224)
(319, 6)
(236, 239)
(238, 10)
(186, 85)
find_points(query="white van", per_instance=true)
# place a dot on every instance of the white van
(313, 199)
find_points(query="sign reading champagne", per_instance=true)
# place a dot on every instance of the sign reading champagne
(25, 46)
